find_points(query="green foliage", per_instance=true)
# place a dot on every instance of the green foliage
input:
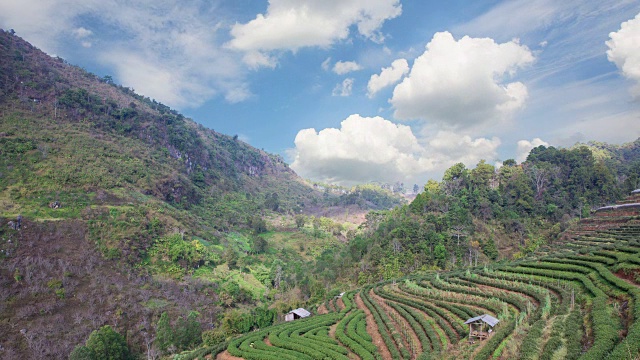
(185, 334)
(103, 344)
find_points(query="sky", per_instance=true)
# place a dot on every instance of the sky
(354, 91)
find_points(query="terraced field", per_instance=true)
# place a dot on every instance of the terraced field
(580, 300)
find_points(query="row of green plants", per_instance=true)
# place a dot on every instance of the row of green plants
(347, 333)
(385, 326)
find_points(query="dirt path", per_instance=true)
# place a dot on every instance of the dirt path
(372, 329)
(399, 322)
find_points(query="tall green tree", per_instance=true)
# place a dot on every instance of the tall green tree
(103, 344)
(164, 332)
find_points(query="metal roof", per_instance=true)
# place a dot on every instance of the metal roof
(300, 312)
(636, 191)
(490, 320)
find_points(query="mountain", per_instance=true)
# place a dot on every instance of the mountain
(128, 210)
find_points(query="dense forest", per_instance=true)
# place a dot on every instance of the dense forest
(483, 214)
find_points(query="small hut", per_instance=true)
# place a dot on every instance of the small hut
(299, 313)
(481, 327)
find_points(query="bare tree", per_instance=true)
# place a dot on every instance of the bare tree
(458, 231)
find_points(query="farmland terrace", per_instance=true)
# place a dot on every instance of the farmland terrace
(580, 300)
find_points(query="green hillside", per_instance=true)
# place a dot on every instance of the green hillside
(581, 302)
(130, 210)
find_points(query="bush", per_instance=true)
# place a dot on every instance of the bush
(213, 337)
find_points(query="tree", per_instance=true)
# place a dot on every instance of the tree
(489, 248)
(81, 353)
(103, 344)
(164, 332)
(188, 332)
(259, 245)
(300, 220)
(458, 231)
(440, 254)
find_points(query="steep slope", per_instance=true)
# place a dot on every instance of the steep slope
(122, 200)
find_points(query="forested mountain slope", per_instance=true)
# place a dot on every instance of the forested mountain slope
(129, 210)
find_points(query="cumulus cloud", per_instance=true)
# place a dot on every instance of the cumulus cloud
(294, 24)
(525, 147)
(462, 83)
(167, 52)
(345, 67)
(624, 50)
(344, 88)
(388, 76)
(375, 149)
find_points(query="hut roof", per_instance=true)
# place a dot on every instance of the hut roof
(300, 312)
(636, 191)
(490, 320)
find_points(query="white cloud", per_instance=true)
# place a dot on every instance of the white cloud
(81, 32)
(525, 147)
(294, 24)
(388, 76)
(624, 50)
(375, 149)
(344, 88)
(256, 59)
(345, 67)
(167, 52)
(462, 83)
(325, 64)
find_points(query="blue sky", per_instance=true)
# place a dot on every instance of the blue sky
(353, 91)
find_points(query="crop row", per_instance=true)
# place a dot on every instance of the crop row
(288, 337)
(491, 305)
(385, 327)
(439, 315)
(605, 333)
(347, 334)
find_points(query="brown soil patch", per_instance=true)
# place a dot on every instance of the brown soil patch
(340, 304)
(226, 356)
(267, 341)
(322, 310)
(372, 329)
(629, 277)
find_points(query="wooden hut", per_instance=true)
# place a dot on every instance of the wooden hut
(299, 313)
(481, 327)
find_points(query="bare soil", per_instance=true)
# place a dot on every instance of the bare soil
(400, 323)
(226, 356)
(322, 310)
(372, 329)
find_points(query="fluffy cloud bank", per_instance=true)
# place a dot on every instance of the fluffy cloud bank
(388, 76)
(462, 83)
(624, 50)
(375, 149)
(294, 24)
(525, 147)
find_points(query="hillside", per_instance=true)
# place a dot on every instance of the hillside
(130, 210)
(580, 302)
